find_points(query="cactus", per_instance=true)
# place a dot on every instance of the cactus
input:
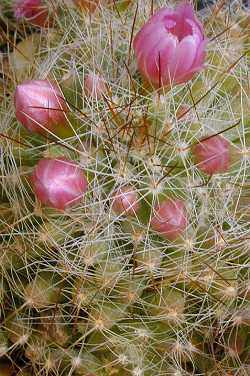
(147, 272)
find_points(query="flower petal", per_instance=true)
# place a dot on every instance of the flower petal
(200, 56)
(185, 10)
(183, 59)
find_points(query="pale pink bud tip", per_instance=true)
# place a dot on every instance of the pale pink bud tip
(59, 183)
(212, 155)
(40, 106)
(125, 200)
(33, 10)
(170, 47)
(170, 219)
(95, 86)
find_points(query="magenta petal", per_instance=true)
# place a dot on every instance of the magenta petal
(159, 56)
(212, 155)
(50, 170)
(198, 63)
(170, 45)
(40, 106)
(149, 32)
(183, 60)
(158, 18)
(156, 39)
(166, 54)
(170, 219)
(125, 201)
(59, 183)
(152, 28)
(195, 30)
(40, 189)
(66, 196)
(35, 11)
(27, 8)
(185, 10)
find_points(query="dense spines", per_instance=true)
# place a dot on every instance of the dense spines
(91, 291)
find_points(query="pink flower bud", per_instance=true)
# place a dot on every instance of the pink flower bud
(170, 219)
(170, 47)
(125, 200)
(34, 11)
(39, 106)
(59, 183)
(94, 86)
(212, 155)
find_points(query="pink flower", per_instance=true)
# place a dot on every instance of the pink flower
(170, 219)
(212, 155)
(33, 10)
(170, 47)
(125, 200)
(94, 86)
(59, 183)
(39, 106)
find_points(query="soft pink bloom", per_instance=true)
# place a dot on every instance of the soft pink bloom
(39, 106)
(95, 86)
(59, 183)
(33, 10)
(125, 200)
(212, 155)
(170, 219)
(170, 47)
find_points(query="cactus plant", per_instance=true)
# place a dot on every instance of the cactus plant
(133, 260)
